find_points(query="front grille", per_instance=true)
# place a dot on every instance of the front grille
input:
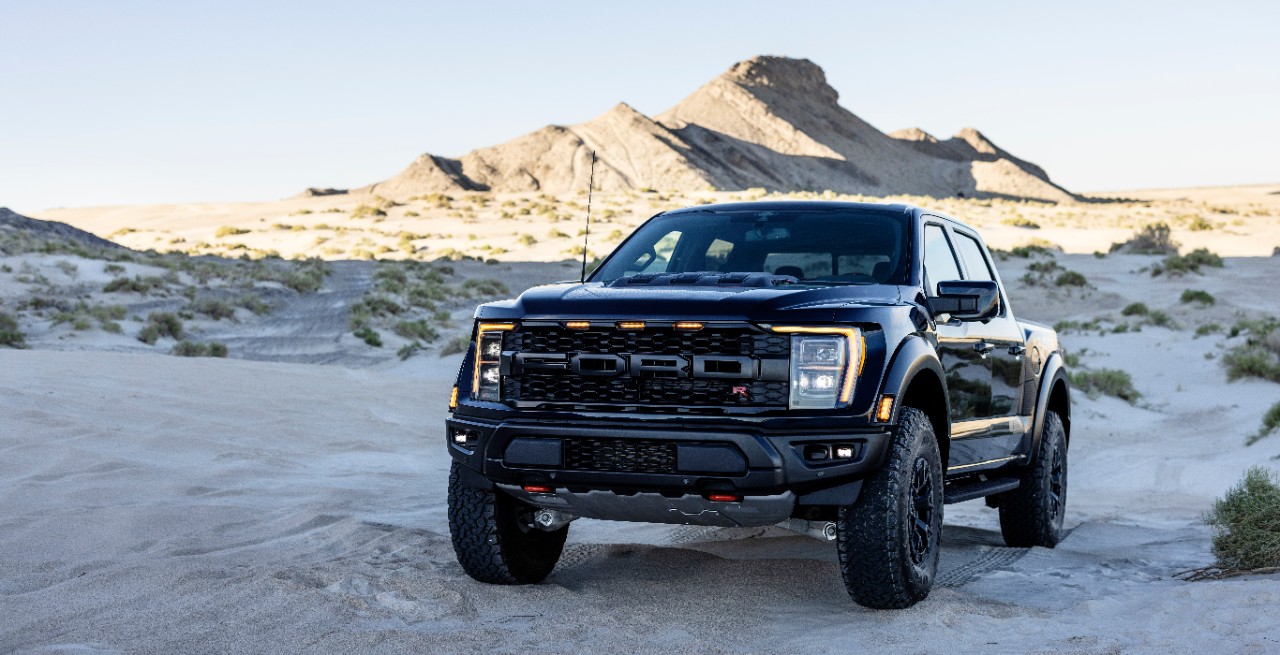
(620, 455)
(709, 341)
(556, 380)
(657, 391)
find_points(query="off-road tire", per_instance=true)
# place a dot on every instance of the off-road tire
(493, 535)
(881, 565)
(1032, 514)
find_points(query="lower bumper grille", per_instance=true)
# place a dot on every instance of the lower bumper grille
(620, 455)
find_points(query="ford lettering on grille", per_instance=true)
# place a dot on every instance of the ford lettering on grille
(734, 366)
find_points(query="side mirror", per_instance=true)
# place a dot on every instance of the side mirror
(966, 300)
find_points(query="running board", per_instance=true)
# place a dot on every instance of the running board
(960, 492)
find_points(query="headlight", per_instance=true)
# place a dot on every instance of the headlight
(486, 382)
(825, 363)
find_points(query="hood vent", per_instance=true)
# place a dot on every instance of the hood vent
(754, 280)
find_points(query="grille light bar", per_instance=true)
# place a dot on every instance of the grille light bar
(630, 325)
(825, 364)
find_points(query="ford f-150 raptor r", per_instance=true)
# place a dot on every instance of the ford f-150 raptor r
(852, 365)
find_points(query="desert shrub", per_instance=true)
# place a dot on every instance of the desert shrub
(1200, 224)
(1207, 329)
(186, 348)
(1020, 221)
(379, 305)
(458, 344)
(369, 336)
(1251, 361)
(82, 316)
(1154, 239)
(1161, 319)
(1270, 423)
(1135, 309)
(367, 211)
(113, 269)
(527, 239)
(160, 324)
(1257, 329)
(10, 335)
(417, 330)
(228, 231)
(425, 295)
(68, 268)
(255, 304)
(1106, 381)
(409, 350)
(1197, 296)
(557, 234)
(1246, 522)
(1188, 263)
(303, 277)
(213, 308)
(1070, 279)
(484, 287)
(1038, 247)
(136, 284)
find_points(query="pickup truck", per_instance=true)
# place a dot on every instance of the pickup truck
(851, 367)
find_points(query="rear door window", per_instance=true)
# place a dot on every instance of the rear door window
(975, 264)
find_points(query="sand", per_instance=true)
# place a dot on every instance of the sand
(156, 504)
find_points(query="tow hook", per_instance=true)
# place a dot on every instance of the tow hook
(551, 519)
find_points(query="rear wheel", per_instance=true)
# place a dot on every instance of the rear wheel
(889, 539)
(1032, 514)
(494, 536)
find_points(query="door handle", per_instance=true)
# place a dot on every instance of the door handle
(1017, 351)
(984, 347)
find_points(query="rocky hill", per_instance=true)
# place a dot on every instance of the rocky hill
(770, 122)
(13, 222)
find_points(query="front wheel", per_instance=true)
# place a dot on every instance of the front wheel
(890, 538)
(494, 536)
(1032, 514)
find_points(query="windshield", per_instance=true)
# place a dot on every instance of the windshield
(818, 246)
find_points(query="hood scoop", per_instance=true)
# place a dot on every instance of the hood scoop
(750, 280)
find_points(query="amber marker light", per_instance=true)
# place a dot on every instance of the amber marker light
(884, 410)
(453, 399)
(631, 325)
(578, 325)
(692, 326)
(857, 349)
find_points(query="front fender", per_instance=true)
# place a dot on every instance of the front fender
(914, 356)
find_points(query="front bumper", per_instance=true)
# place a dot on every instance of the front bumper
(767, 468)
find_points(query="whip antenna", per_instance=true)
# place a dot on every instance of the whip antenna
(586, 235)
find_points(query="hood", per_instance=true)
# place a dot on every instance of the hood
(596, 301)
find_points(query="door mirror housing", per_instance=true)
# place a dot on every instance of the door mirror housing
(966, 300)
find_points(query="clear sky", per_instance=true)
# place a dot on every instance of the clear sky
(138, 102)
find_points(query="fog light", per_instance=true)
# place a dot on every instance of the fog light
(844, 452)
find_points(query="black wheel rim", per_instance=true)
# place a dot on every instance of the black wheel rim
(921, 515)
(1057, 484)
